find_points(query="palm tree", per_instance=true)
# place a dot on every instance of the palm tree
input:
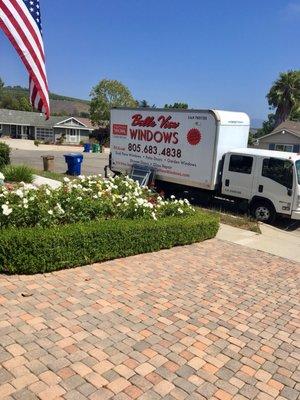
(284, 95)
(144, 104)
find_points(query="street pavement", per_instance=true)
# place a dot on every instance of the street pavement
(93, 163)
(213, 320)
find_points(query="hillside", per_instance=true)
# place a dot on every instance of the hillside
(62, 105)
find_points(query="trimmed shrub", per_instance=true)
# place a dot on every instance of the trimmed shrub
(18, 173)
(4, 155)
(38, 250)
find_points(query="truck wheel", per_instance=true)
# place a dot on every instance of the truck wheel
(263, 211)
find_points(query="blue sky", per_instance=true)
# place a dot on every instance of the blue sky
(210, 54)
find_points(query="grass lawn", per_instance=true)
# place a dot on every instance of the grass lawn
(238, 221)
(52, 175)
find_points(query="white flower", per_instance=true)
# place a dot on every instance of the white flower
(29, 186)
(25, 201)
(180, 211)
(79, 198)
(50, 212)
(66, 180)
(140, 202)
(2, 177)
(172, 197)
(6, 210)
(19, 193)
(154, 216)
(59, 208)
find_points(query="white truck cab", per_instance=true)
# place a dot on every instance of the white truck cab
(268, 180)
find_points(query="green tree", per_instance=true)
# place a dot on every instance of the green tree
(84, 114)
(24, 104)
(284, 96)
(295, 115)
(1, 91)
(182, 106)
(267, 127)
(144, 104)
(9, 102)
(107, 94)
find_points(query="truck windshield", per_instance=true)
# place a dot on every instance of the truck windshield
(298, 170)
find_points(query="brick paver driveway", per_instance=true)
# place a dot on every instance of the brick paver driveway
(207, 321)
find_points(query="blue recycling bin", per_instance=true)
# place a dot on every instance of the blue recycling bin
(87, 147)
(74, 161)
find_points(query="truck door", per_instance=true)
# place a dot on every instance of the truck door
(275, 181)
(238, 175)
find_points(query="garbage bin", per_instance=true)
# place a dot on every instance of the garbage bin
(86, 147)
(95, 148)
(74, 161)
(48, 162)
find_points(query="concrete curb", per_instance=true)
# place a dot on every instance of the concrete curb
(271, 240)
(40, 181)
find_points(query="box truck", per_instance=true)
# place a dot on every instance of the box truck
(203, 153)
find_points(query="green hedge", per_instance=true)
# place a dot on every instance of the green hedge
(4, 155)
(38, 250)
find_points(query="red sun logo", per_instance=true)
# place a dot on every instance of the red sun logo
(194, 136)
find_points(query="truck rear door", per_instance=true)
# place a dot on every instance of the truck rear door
(238, 175)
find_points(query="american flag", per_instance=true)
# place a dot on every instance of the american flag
(21, 22)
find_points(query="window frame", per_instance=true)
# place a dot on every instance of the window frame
(241, 156)
(279, 182)
(284, 147)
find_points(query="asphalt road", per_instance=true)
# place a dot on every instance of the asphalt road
(93, 163)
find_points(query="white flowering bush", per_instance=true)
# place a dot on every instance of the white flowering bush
(84, 199)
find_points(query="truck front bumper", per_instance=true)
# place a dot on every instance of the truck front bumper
(296, 215)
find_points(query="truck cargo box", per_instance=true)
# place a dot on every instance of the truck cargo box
(183, 146)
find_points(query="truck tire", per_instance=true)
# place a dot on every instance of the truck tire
(263, 211)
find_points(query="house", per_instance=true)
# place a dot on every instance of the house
(31, 125)
(286, 137)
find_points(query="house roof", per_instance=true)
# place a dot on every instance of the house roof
(86, 122)
(14, 117)
(292, 127)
